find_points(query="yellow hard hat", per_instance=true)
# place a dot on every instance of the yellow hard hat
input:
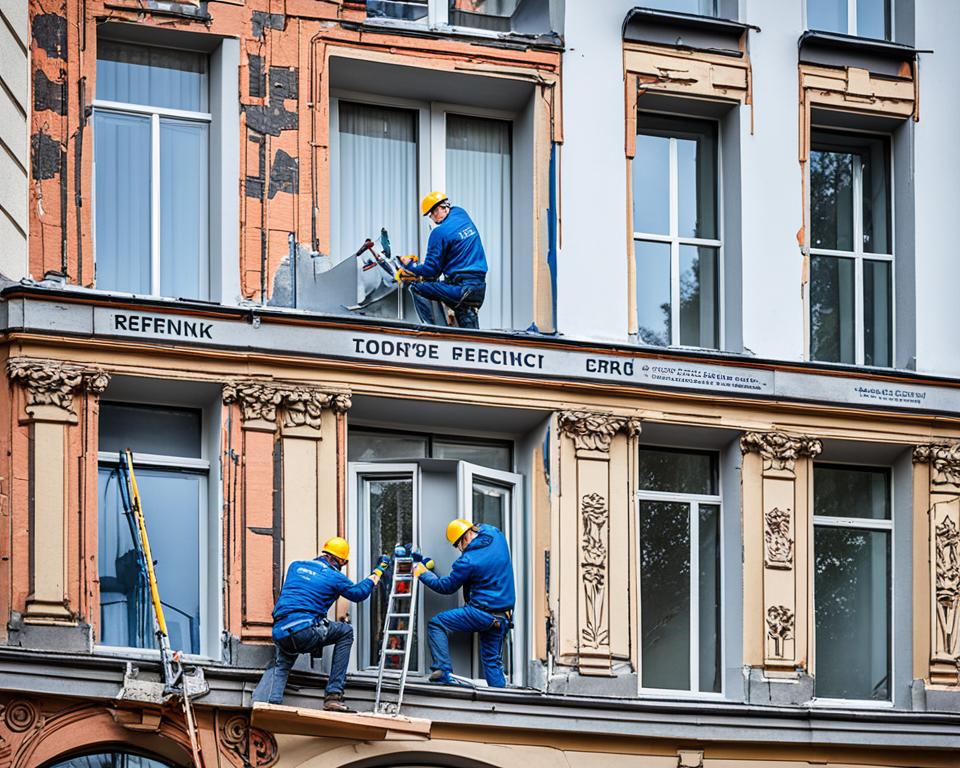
(456, 529)
(337, 547)
(431, 201)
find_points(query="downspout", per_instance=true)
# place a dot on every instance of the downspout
(552, 233)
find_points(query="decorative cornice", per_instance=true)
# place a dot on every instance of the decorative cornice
(298, 404)
(943, 457)
(52, 382)
(779, 450)
(593, 431)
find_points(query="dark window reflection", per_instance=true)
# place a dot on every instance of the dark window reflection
(111, 760)
(672, 471)
(851, 492)
(832, 309)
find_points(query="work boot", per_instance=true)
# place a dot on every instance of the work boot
(439, 676)
(333, 702)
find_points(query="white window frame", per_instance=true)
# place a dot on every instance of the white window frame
(852, 19)
(201, 468)
(438, 17)
(431, 170)
(858, 523)
(155, 114)
(858, 255)
(693, 502)
(674, 240)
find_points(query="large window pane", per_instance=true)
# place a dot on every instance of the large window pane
(491, 504)
(827, 15)
(478, 163)
(653, 293)
(122, 170)
(672, 471)
(665, 595)
(697, 184)
(831, 200)
(378, 176)
(877, 313)
(699, 7)
(710, 664)
(494, 15)
(651, 185)
(699, 297)
(873, 19)
(852, 599)
(183, 208)
(153, 429)
(832, 309)
(377, 446)
(408, 10)
(484, 454)
(875, 164)
(851, 492)
(158, 77)
(171, 505)
(111, 760)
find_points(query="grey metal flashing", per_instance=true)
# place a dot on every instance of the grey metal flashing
(688, 20)
(856, 44)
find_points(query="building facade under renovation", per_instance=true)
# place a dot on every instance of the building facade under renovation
(712, 403)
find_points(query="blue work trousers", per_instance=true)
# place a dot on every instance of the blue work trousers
(492, 630)
(464, 298)
(310, 640)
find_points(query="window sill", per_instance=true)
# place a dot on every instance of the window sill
(854, 44)
(148, 654)
(546, 39)
(850, 704)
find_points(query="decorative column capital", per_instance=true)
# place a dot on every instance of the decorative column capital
(779, 450)
(54, 383)
(945, 460)
(299, 405)
(594, 431)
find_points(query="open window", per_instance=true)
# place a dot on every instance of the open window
(491, 17)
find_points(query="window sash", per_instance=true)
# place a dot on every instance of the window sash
(852, 20)
(692, 502)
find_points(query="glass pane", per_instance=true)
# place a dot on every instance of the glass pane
(494, 15)
(408, 10)
(484, 454)
(699, 7)
(171, 504)
(827, 15)
(122, 171)
(710, 663)
(699, 299)
(831, 200)
(183, 208)
(877, 313)
(491, 504)
(697, 185)
(389, 504)
(111, 760)
(665, 595)
(478, 163)
(378, 177)
(832, 309)
(875, 165)
(651, 185)
(150, 429)
(852, 601)
(653, 293)
(158, 77)
(873, 19)
(851, 492)
(671, 471)
(375, 446)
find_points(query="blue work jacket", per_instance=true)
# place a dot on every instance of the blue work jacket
(454, 247)
(309, 590)
(483, 570)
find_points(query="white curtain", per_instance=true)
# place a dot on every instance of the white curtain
(478, 179)
(378, 182)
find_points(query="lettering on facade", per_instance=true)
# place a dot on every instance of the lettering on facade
(895, 396)
(163, 326)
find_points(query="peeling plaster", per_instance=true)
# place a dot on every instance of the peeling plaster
(50, 34)
(47, 94)
(261, 21)
(284, 173)
(46, 156)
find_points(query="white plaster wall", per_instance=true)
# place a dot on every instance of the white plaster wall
(771, 184)
(14, 159)
(937, 175)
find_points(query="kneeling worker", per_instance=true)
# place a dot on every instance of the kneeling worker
(454, 250)
(485, 572)
(300, 624)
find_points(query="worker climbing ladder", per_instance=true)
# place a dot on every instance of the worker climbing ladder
(398, 632)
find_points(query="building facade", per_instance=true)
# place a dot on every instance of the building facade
(712, 403)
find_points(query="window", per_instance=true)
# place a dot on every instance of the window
(111, 760)
(851, 254)
(679, 531)
(172, 477)
(697, 7)
(151, 171)
(677, 243)
(491, 15)
(383, 170)
(852, 530)
(864, 18)
(374, 445)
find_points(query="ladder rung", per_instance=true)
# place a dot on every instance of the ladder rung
(394, 651)
(399, 631)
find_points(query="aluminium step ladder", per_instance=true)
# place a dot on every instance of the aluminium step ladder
(398, 632)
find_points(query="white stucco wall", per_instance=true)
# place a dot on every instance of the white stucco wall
(14, 152)
(937, 175)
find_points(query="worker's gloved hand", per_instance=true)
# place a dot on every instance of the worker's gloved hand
(418, 570)
(402, 276)
(419, 557)
(408, 260)
(383, 564)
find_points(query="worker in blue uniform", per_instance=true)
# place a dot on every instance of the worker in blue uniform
(485, 572)
(300, 623)
(454, 251)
